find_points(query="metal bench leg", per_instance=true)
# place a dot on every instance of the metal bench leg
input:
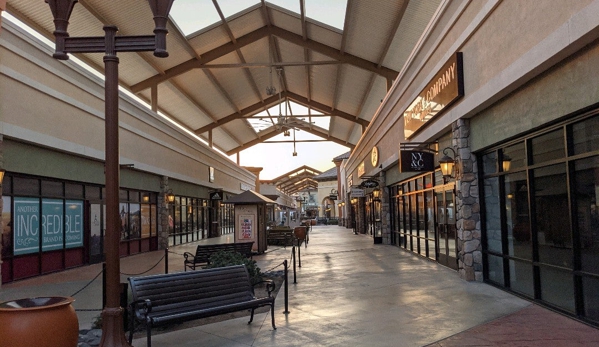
(272, 316)
(251, 317)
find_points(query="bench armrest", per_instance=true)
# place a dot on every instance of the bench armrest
(270, 286)
(141, 308)
(188, 255)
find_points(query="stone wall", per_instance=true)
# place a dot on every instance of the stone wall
(470, 264)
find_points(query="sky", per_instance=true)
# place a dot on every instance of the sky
(277, 158)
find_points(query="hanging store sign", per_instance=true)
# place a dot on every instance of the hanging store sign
(374, 156)
(356, 193)
(369, 184)
(416, 161)
(444, 89)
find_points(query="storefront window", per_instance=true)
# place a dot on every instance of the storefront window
(517, 218)
(135, 220)
(557, 287)
(51, 188)
(587, 199)
(552, 216)
(493, 214)
(514, 157)
(548, 147)
(495, 269)
(584, 136)
(7, 227)
(521, 277)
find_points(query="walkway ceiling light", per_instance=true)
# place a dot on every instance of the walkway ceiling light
(376, 195)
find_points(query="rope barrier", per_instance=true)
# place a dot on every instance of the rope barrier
(141, 273)
(87, 285)
(181, 254)
(269, 270)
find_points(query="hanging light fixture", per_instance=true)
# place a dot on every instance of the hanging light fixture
(170, 197)
(447, 163)
(294, 152)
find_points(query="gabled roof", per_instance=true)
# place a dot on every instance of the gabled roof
(330, 174)
(216, 79)
(296, 180)
(249, 197)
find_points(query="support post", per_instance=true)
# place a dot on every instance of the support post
(286, 287)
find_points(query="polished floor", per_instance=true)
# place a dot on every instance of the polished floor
(349, 292)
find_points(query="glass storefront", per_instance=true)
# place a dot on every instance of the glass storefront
(53, 225)
(423, 218)
(541, 222)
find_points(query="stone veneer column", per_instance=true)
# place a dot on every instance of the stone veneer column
(470, 263)
(162, 208)
(385, 213)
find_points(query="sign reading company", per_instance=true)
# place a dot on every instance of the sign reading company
(356, 192)
(59, 227)
(445, 88)
(416, 161)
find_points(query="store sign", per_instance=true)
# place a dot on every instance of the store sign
(361, 169)
(369, 184)
(245, 186)
(333, 197)
(445, 88)
(416, 161)
(55, 227)
(356, 193)
(374, 156)
(216, 195)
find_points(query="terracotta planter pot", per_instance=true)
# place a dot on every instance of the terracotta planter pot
(40, 322)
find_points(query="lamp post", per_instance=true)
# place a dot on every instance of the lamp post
(112, 314)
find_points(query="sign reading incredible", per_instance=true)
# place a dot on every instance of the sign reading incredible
(59, 226)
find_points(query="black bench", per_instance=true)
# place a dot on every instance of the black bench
(183, 296)
(280, 236)
(203, 253)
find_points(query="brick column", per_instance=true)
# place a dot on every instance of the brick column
(470, 262)
(162, 208)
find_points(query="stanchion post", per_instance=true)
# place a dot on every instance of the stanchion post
(286, 289)
(293, 252)
(166, 260)
(299, 253)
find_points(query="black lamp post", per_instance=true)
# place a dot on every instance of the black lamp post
(112, 315)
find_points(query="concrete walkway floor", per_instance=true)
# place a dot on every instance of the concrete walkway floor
(349, 292)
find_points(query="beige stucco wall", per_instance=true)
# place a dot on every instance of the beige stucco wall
(58, 105)
(520, 62)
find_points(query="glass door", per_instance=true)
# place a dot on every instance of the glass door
(445, 227)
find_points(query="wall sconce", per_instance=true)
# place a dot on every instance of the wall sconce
(354, 200)
(376, 195)
(447, 164)
(506, 163)
(170, 197)
(2, 172)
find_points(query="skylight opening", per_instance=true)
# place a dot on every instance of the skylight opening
(193, 15)
(331, 12)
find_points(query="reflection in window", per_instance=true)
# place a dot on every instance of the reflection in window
(521, 278)
(124, 215)
(514, 157)
(492, 214)
(495, 269)
(552, 216)
(585, 136)
(547, 147)
(517, 218)
(586, 196)
(590, 288)
(557, 288)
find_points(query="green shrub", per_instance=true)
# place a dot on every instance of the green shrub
(224, 258)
